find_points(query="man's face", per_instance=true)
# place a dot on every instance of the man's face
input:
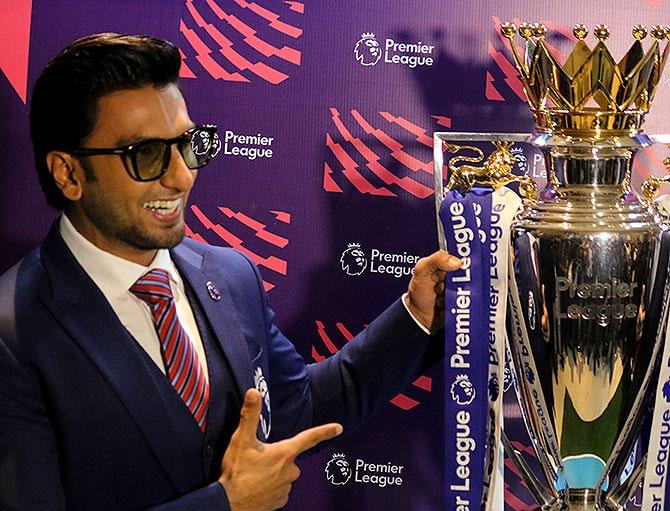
(128, 218)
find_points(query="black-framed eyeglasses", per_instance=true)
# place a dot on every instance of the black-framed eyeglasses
(148, 160)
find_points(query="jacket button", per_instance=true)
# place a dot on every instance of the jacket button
(209, 450)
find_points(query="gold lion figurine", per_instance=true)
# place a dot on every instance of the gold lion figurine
(495, 172)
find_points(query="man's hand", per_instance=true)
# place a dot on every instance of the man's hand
(425, 294)
(258, 476)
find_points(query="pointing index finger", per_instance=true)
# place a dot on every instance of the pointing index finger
(309, 438)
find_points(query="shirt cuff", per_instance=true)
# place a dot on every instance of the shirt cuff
(419, 324)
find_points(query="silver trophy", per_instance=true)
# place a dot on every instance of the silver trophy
(589, 269)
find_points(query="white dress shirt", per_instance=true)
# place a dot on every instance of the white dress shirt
(114, 276)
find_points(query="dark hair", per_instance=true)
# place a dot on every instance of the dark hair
(64, 103)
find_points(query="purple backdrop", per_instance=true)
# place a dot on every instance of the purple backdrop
(346, 163)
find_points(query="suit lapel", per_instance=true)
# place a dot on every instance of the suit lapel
(90, 321)
(212, 293)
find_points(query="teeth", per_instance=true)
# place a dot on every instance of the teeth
(163, 207)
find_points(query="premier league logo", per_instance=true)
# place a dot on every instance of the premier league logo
(367, 50)
(462, 390)
(666, 391)
(353, 260)
(494, 388)
(203, 143)
(507, 375)
(530, 375)
(338, 471)
(262, 387)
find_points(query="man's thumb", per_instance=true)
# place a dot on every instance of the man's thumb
(249, 415)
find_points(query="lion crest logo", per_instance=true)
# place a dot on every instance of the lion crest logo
(508, 377)
(494, 388)
(338, 471)
(666, 391)
(462, 390)
(202, 143)
(530, 374)
(353, 260)
(261, 385)
(367, 50)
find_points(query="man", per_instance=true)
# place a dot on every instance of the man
(139, 369)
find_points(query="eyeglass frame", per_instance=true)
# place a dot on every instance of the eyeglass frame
(129, 152)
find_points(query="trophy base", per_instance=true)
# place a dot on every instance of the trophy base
(583, 500)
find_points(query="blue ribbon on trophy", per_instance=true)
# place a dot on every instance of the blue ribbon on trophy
(466, 356)
(476, 226)
(656, 490)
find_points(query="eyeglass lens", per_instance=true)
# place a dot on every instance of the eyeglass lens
(196, 148)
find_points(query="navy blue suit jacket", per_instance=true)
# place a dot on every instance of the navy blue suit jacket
(84, 423)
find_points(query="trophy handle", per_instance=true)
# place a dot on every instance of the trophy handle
(652, 184)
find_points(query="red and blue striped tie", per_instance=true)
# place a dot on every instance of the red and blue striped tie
(182, 366)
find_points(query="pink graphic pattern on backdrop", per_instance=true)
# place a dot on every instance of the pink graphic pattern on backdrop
(15, 43)
(230, 41)
(375, 162)
(222, 231)
(504, 63)
(404, 401)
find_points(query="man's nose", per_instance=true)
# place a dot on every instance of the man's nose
(178, 176)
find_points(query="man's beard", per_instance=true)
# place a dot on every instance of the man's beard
(117, 227)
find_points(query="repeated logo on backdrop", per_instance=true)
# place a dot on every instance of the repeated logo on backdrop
(355, 261)
(412, 54)
(382, 475)
(229, 40)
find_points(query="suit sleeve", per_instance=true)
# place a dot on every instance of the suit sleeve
(379, 362)
(209, 498)
(354, 383)
(29, 474)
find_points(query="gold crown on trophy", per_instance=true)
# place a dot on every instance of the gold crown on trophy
(590, 94)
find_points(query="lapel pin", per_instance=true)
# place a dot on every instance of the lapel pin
(214, 293)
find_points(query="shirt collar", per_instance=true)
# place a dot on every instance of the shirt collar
(112, 274)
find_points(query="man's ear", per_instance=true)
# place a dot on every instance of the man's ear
(66, 173)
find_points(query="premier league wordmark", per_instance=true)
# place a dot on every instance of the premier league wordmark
(375, 160)
(355, 261)
(412, 54)
(223, 226)
(339, 472)
(241, 40)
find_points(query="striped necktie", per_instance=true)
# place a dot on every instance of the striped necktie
(182, 366)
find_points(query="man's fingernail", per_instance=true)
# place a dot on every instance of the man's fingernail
(252, 397)
(454, 260)
(338, 429)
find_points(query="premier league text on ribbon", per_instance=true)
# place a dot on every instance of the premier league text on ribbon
(463, 236)
(465, 429)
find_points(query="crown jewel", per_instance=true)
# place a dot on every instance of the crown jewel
(590, 93)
